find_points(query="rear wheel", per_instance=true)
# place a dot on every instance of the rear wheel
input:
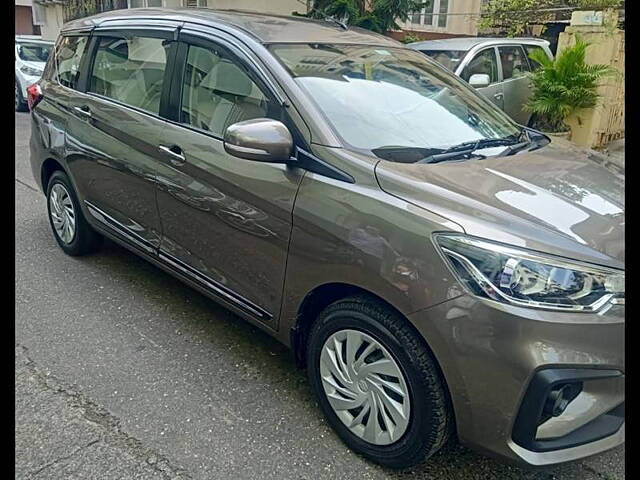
(377, 383)
(71, 230)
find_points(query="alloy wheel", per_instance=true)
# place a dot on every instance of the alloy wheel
(62, 213)
(365, 386)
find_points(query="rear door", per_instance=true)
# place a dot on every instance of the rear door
(485, 62)
(515, 81)
(226, 221)
(115, 127)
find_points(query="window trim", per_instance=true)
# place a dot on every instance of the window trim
(55, 78)
(208, 40)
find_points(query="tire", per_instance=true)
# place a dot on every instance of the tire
(84, 239)
(430, 418)
(20, 103)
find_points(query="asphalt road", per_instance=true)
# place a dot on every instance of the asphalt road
(124, 372)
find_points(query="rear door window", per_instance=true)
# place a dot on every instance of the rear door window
(483, 62)
(68, 55)
(514, 62)
(130, 70)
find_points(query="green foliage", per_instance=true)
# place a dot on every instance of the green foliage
(594, 4)
(376, 15)
(515, 16)
(410, 38)
(563, 85)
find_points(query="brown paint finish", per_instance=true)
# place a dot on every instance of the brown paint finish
(262, 236)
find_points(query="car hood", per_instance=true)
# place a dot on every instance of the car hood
(36, 65)
(552, 200)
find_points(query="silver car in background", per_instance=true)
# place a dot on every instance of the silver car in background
(31, 55)
(497, 67)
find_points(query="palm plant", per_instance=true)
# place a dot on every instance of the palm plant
(563, 85)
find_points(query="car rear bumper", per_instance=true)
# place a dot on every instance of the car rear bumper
(505, 365)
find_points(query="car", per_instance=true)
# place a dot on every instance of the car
(439, 270)
(497, 67)
(31, 55)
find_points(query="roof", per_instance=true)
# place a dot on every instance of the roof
(467, 43)
(264, 28)
(32, 38)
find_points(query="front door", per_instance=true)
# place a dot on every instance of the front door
(114, 131)
(226, 221)
(485, 62)
(515, 82)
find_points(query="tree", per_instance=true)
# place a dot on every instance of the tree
(515, 16)
(563, 85)
(377, 15)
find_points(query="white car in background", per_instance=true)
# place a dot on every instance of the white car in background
(31, 56)
(497, 67)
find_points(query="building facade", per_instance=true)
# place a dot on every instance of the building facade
(55, 13)
(25, 24)
(442, 19)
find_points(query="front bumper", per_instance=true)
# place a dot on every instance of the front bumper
(500, 363)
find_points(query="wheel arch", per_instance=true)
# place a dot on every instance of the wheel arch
(49, 166)
(321, 297)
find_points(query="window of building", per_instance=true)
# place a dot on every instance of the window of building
(433, 14)
(130, 70)
(68, 55)
(195, 3)
(145, 3)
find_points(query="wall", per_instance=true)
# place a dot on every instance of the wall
(54, 21)
(24, 21)
(595, 127)
(462, 20)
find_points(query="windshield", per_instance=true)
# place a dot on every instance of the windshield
(379, 98)
(34, 52)
(450, 59)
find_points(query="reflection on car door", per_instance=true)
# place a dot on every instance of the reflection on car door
(114, 130)
(226, 221)
(485, 62)
(515, 82)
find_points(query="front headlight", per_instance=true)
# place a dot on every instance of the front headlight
(529, 279)
(32, 72)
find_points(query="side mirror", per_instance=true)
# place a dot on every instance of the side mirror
(479, 80)
(261, 139)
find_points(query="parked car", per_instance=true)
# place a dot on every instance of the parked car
(436, 267)
(31, 55)
(497, 67)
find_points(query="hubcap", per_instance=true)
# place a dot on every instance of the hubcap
(62, 213)
(365, 386)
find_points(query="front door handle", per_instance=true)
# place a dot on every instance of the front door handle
(175, 154)
(498, 96)
(83, 111)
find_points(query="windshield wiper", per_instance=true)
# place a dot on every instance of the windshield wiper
(467, 148)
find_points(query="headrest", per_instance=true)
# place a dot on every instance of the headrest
(226, 77)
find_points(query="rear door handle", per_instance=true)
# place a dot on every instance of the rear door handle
(498, 96)
(176, 157)
(83, 111)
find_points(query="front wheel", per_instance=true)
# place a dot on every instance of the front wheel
(377, 383)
